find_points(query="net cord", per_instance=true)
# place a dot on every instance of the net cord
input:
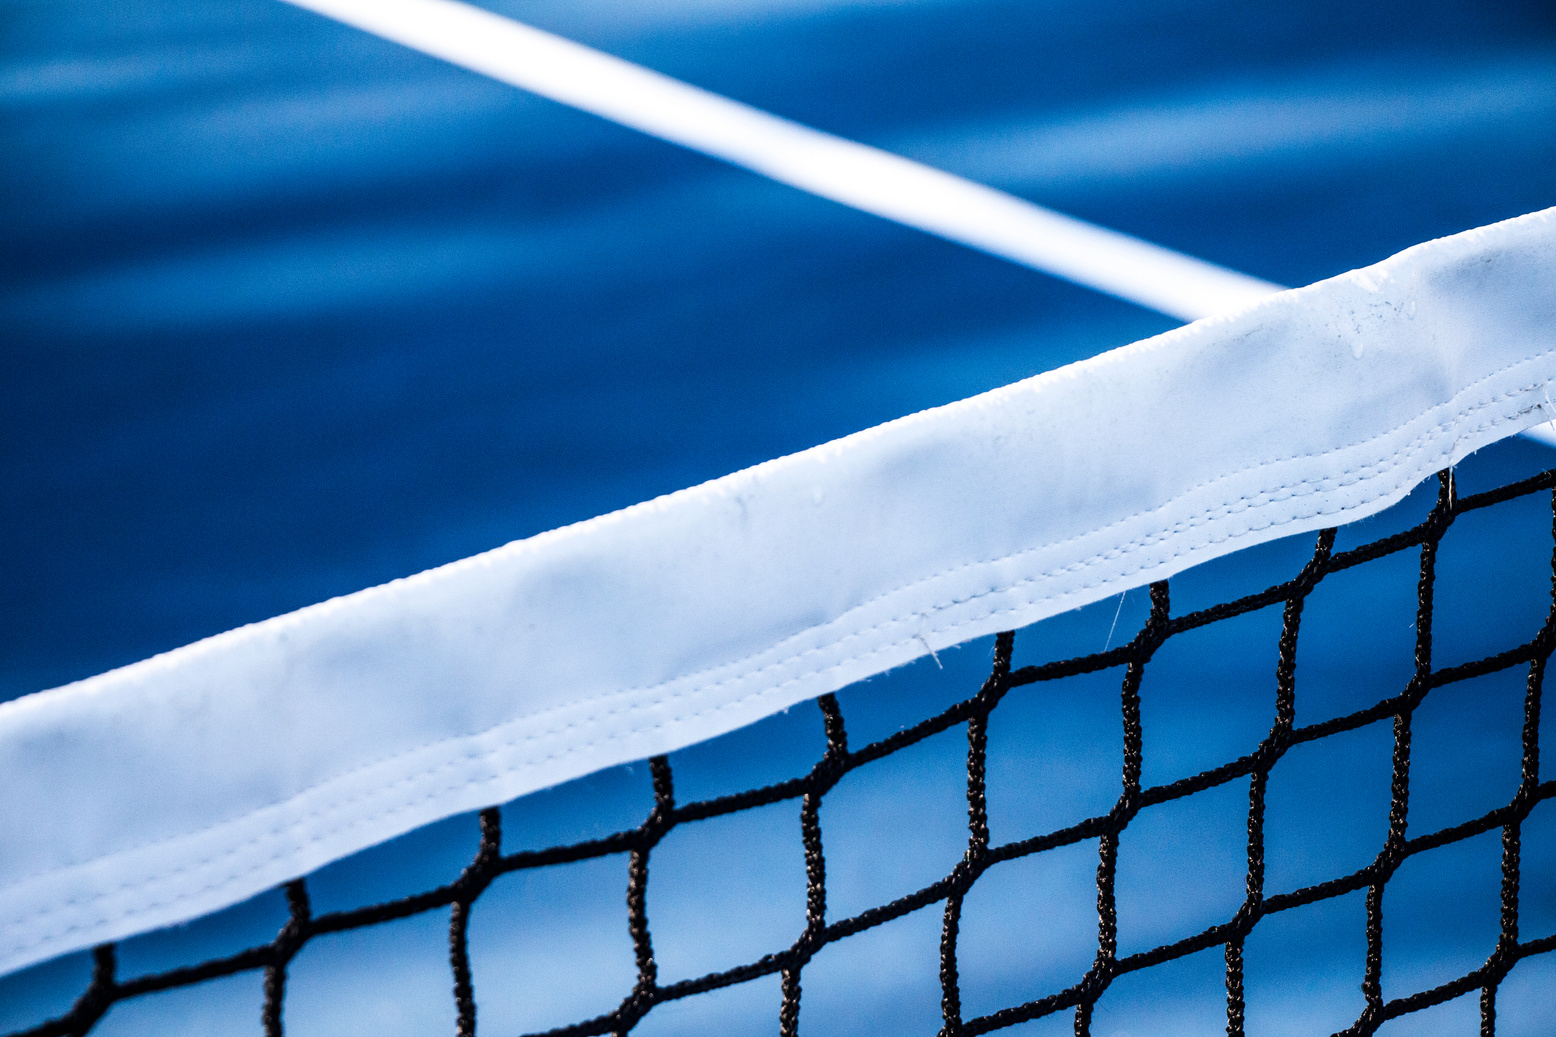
(1311, 408)
(490, 862)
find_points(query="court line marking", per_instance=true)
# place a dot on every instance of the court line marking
(845, 171)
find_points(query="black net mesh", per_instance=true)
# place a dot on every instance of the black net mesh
(461, 896)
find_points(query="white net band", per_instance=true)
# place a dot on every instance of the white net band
(188, 782)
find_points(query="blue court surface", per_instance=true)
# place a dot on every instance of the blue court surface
(289, 310)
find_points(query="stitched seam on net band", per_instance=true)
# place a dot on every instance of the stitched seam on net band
(1193, 521)
(528, 764)
(1201, 519)
(1273, 495)
(487, 755)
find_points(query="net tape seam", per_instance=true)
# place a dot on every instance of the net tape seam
(106, 989)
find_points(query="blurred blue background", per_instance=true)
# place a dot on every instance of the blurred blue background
(289, 311)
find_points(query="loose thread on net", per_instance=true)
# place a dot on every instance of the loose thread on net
(1105, 967)
(106, 988)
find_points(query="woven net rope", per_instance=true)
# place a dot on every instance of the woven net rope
(461, 897)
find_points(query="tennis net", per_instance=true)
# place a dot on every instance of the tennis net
(284, 755)
(1283, 696)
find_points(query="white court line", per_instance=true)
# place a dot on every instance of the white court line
(845, 171)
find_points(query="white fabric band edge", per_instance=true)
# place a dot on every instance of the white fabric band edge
(186, 783)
